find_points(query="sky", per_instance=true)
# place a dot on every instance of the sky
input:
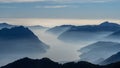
(60, 9)
(75, 9)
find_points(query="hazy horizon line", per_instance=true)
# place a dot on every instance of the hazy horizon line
(51, 22)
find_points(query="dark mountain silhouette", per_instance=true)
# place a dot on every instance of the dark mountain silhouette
(112, 65)
(112, 59)
(47, 63)
(5, 25)
(81, 64)
(86, 32)
(30, 63)
(20, 40)
(99, 51)
(59, 29)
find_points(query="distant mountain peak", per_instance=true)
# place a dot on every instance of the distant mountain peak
(6, 25)
(3, 23)
(107, 23)
(16, 32)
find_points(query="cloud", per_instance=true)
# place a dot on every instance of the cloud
(67, 1)
(83, 1)
(10, 1)
(57, 6)
(7, 7)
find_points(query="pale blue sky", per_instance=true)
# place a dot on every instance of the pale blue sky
(65, 9)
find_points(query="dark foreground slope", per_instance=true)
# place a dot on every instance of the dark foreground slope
(47, 63)
(30, 63)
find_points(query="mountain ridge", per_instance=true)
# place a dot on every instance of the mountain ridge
(86, 32)
(47, 63)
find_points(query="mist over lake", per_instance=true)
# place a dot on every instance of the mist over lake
(59, 51)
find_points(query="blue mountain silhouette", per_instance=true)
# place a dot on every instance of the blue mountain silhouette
(20, 40)
(5, 25)
(99, 50)
(86, 32)
(59, 29)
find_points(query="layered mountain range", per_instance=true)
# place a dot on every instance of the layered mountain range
(104, 50)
